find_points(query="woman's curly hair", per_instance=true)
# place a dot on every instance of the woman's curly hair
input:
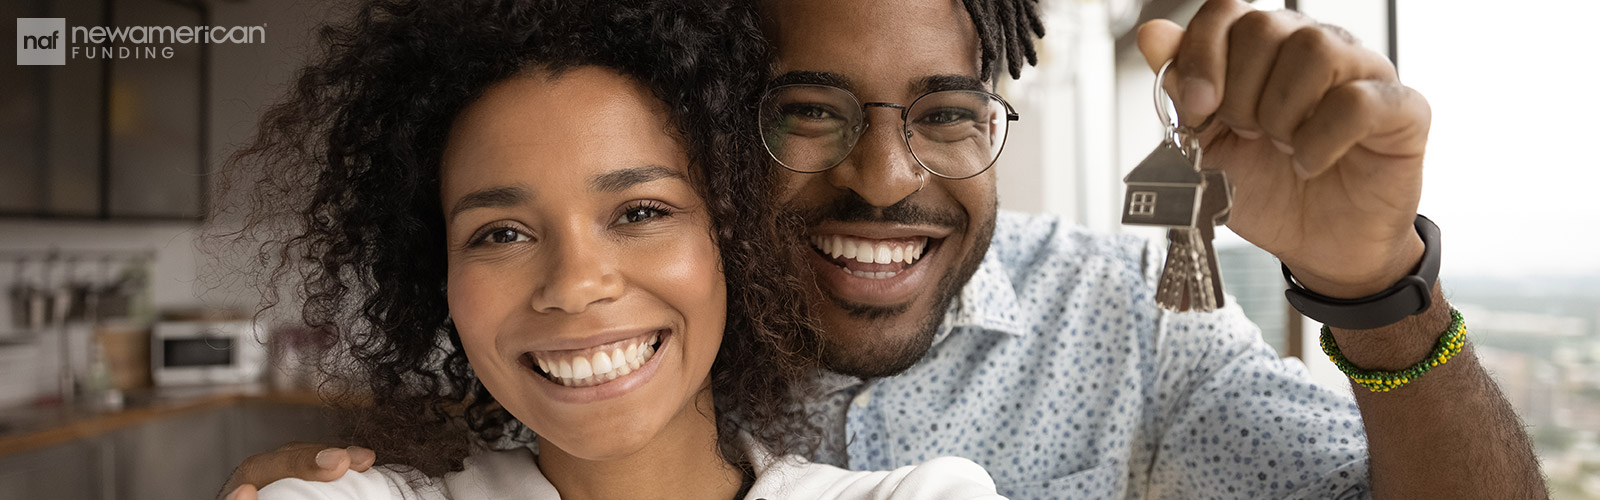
(347, 217)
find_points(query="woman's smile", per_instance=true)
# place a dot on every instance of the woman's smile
(604, 371)
(595, 365)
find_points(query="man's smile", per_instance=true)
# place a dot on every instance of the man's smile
(875, 264)
(869, 258)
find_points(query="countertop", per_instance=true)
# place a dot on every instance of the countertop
(28, 428)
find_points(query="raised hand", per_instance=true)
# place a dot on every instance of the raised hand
(1322, 143)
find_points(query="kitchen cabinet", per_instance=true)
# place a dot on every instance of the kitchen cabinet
(74, 470)
(172, 457)
(50, 148)
(107, 137)
(185, 455)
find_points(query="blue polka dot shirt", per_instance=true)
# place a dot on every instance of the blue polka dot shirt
(1056, 371)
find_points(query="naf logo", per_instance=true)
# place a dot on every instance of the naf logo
(41, 41)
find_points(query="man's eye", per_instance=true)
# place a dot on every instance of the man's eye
(947, 116)
(640, 213)
(808, 112)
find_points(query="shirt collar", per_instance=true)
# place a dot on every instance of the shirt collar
(988, 301)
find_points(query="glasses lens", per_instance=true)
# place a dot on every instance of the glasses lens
(957, 133)
(809, 128)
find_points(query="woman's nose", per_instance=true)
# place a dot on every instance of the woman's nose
(577, 273)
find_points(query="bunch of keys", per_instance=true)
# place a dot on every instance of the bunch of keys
(1170, 189)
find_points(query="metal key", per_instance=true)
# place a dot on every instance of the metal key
(1191, 280)
(1216, 202)
(1170, 189)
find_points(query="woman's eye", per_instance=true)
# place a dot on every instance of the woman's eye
(503, 235)
(640, 214)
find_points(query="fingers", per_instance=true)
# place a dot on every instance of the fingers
(243, 492)
(1158, 41)
(1310, 62)
(1254, 44)
(361, 459)
(1202, 59)
(308, 461)
(1387, 118)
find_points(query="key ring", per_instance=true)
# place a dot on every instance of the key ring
(1183, 137)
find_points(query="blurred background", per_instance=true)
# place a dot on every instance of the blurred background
(131, 367)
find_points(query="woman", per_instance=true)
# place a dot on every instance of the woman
(542, 223)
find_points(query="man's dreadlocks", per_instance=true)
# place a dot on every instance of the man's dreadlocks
(1010, 26)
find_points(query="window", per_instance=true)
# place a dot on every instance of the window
(1144, 204)
(1520, 260)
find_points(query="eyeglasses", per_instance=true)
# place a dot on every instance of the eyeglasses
(953, 134)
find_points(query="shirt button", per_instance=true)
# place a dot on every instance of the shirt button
(862, 399)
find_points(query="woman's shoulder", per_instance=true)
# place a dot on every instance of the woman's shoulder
(944, 478)
(510, 473)
(487, 475)
(384, 482)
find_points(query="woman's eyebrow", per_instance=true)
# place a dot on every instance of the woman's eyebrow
(618, 180)
(503, 196)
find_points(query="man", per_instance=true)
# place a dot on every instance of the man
(1036, 348)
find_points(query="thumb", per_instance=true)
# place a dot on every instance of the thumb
(1158, 41)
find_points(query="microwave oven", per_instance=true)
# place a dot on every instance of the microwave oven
(206, 352)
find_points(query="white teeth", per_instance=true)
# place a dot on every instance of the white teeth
(872, 275)
(581, 368)
(602, 366)
(867, 251)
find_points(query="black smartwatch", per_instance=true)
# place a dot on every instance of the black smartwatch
(1411, 295)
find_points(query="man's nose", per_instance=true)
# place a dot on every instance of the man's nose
(576, 275)
(880, 168)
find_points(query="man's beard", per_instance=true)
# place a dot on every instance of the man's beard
(878, 353)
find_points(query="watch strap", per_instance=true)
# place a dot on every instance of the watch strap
(1411, 295)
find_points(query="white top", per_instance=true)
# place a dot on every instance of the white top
(513, 474)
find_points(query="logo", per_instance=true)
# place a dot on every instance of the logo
(48, 41)
(41, 41)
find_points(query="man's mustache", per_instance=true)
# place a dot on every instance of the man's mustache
(851, 207)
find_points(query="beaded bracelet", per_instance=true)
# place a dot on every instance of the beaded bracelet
(1450, 343)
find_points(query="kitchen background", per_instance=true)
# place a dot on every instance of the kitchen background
(106, 168)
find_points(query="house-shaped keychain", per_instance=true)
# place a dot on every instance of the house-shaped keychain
(1164, 190)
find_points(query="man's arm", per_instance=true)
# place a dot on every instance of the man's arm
(1449, 434)
(308, 461)
(1324, 148)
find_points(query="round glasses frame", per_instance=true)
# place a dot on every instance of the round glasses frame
(905, 127)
